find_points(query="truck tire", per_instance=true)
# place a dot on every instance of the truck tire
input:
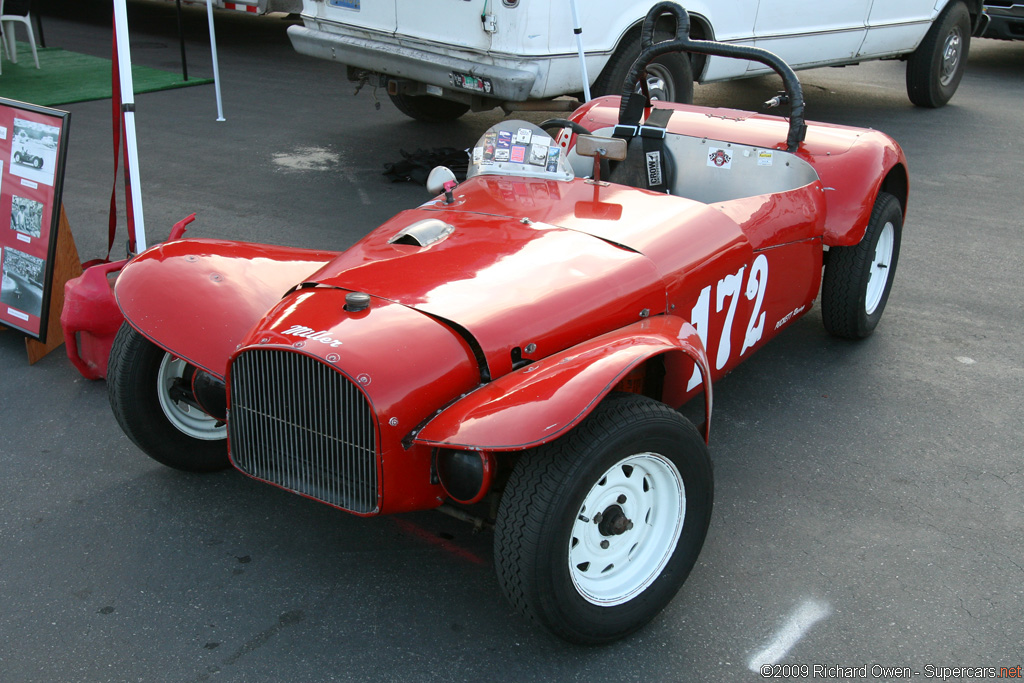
(428, 108)
(935, 68)
(669, 77)
(597, 530)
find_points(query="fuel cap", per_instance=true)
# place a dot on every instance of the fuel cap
(356, 301)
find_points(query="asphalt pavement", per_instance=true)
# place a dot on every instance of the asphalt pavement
(869, 496)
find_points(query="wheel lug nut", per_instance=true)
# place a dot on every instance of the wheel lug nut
(622, 499)
(604, 545)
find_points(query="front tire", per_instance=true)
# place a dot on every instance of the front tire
(140, 377)
(934, 70)
(857, 279)
(598, 530)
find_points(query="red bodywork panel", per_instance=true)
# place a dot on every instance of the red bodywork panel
(547, 392)
(509, 284)
(198, 297)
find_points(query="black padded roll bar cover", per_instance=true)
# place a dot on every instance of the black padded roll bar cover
(649, 51)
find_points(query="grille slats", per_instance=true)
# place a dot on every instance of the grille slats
(298, 423)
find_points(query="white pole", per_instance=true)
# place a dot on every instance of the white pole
(124, 62)
(216, 67)
(578, 30)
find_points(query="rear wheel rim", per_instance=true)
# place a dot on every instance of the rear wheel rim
(881, 263)
(951, 54)
(186, 419)
(659, 82)
(627, 529)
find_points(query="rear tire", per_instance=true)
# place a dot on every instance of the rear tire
(428, 108)
(669, 77)
(857, 279)
(598, 530)
(934, 70)
(171, 432)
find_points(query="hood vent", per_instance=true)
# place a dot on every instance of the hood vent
(423, 233)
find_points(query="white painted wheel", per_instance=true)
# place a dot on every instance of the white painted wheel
(139, 380)
(881, 262)
(858, 278)
(186, 418)
(627, 529)
(598, 530)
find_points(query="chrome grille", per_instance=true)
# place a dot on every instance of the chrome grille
(301, 424)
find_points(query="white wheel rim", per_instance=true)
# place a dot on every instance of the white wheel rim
(879, 270)
(187, 419)
(610, 560)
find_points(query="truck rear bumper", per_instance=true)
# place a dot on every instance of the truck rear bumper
(402, 61)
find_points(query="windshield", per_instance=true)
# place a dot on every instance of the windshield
(519, 148)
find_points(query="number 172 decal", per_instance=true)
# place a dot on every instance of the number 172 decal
(727, 294)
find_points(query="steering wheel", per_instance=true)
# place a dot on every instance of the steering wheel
(561, 124)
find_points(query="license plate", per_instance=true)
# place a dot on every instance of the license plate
(345, 4)
(471, 82)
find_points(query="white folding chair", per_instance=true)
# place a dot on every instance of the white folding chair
(9, 21)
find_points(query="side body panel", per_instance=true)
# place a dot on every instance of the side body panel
(895, 26)
(828, 32)
(852, 163)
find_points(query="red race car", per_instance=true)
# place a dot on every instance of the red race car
(515, 350)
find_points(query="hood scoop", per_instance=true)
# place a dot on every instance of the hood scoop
(422, 233)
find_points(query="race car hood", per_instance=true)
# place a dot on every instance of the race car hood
(515, 289)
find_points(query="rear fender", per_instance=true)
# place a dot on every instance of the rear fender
(197, 298)
(544, 400)
(852, 182)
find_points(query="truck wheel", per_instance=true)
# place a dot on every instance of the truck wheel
(17, 157)
(857, 279)
(140, 377)
(598, 530)
(669, 77)
(934, 70)
(429, 108)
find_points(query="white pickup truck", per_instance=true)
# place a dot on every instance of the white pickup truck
(441, 58)
(253, 6)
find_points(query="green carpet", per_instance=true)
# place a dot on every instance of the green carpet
(64, 77)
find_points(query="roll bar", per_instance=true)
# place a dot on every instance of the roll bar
(649, 51)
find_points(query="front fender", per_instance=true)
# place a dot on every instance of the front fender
(197, 298)
(540, 402)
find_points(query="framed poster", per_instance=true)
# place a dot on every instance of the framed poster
(33, 148)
